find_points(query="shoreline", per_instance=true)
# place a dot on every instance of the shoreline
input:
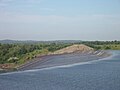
(47, 61)
(41, 60)
(62, 66)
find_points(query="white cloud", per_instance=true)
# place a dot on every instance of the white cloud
(18, 17)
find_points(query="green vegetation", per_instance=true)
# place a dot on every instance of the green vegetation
(15, 54)
(20, 53)
(103, 45)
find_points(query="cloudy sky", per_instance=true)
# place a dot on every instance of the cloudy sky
(60, 19)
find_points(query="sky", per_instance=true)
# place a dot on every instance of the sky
(60, 19)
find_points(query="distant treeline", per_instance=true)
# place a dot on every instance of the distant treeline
(113, 45)
(100, 42)
(38, 42)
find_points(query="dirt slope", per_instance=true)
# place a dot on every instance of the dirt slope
(74, 48)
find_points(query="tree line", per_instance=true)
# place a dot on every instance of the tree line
(18, 53)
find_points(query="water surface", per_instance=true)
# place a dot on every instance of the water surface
(95, 75)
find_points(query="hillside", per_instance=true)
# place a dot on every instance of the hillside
(74, 48)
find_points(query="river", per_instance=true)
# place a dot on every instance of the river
(101, 74)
